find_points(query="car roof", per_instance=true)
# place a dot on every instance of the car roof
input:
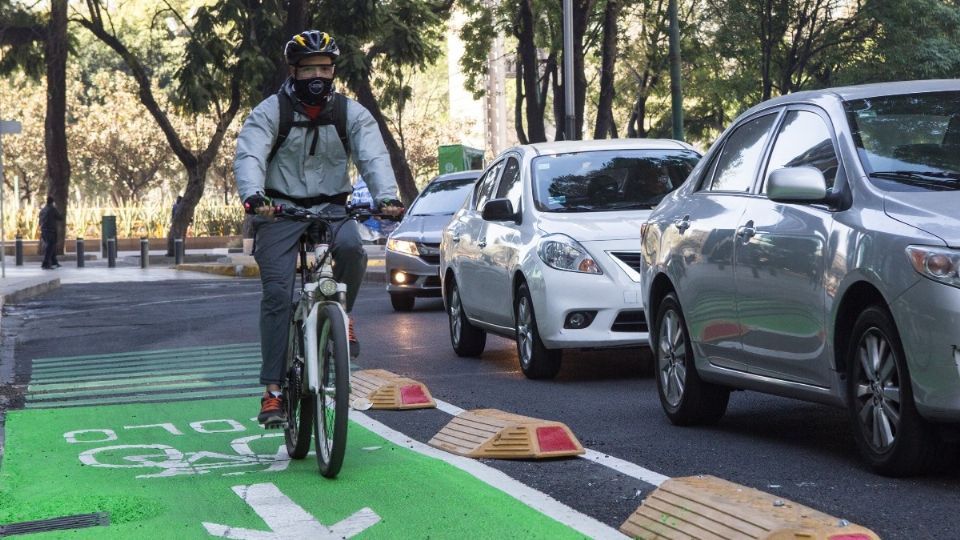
(563, 147)
(460, 175)
(862, 91)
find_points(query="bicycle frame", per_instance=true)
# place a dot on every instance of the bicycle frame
(311, 300)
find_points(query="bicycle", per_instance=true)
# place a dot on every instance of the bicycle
(317, 384)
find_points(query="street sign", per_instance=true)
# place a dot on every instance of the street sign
(9, 126)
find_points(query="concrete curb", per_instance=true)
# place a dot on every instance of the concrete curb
(28, 288)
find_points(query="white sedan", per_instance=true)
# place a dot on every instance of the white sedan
(546, 250)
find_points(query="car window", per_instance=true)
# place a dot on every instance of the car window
(442, 198)
(510, 186)
(481, 194)
(804, 140)
(606, 180)
(740, 156)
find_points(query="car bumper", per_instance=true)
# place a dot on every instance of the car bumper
(420, 278)
(613, 296)
(928, 319)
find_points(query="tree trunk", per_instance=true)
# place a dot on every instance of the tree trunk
(635, 128)
(294, 24)
(55, 129)
(581, 15)
(405, 180)
(604, 123)
(518, 105)
(527, 48)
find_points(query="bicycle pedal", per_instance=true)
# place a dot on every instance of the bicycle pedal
(276, 425)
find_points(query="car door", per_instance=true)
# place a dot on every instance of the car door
(703, 231)
(502, 249)
(779, 261)
(468, 235)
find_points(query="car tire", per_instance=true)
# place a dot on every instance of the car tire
(890, 433)
(536, 361)
(402, 302)
(686, 399)
(467, 339)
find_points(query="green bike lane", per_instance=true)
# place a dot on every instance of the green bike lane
(165, 451)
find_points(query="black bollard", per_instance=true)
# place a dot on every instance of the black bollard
(79, 252)
(111, 252)
(18, 249)
(144, 253)
(178, 251)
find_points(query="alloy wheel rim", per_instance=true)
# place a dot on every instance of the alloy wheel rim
(878, 396)
(455, 315)
(524, 331)
(671, 359)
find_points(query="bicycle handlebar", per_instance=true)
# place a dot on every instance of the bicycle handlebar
(353, 212)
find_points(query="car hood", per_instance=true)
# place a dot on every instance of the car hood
(427, 229)
(934, 212)
(595, 226)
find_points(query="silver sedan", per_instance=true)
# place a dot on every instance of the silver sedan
(814, 253)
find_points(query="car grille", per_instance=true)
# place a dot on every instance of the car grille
(630, 321)
(630, 258)
(429, 253)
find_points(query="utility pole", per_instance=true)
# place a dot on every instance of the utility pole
(676, 94)
(570, 125)
(11, 127)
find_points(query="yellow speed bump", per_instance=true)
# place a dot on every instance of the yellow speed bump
(490, 433)
(386, 390)
(708, 508)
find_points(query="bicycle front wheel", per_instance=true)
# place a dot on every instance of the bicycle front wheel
(298, 402)
(333, 399)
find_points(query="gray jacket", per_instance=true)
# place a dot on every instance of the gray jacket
(296, 173)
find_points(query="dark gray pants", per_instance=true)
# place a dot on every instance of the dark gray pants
(276, 253)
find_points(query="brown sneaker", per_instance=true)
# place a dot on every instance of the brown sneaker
(271, 410)
(352, 337)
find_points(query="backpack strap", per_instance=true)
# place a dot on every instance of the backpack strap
(286, 122)
(337, 117)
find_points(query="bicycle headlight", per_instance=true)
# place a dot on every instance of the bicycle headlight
(328, 287)
(564, 253)
(938, 264)
(403, 246)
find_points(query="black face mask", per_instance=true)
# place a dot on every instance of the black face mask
(313, 91)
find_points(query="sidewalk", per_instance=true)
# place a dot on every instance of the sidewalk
(22, 282)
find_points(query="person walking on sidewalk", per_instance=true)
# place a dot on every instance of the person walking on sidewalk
(49, 216)
(293, 150)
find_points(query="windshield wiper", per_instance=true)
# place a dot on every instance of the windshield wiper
(574, 209)
(434, 214)
(916, 174)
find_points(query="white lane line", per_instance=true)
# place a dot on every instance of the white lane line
(623, 467)
(536, 500)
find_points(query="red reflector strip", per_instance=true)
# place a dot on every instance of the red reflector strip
(412, 394)
(554, 439)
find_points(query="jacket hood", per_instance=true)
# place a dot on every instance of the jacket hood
(932, 211)
(594, 226)
(427, 228)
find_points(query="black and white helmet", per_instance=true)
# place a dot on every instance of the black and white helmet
(310, 43)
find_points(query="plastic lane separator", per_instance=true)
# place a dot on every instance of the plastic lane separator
(386, 390)
(491, 433)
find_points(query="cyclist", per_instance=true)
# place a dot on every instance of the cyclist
(307, 168)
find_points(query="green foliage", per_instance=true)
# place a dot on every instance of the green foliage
(21, 39)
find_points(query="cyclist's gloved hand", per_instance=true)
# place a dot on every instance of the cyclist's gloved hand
(391, 207)
(257, 204)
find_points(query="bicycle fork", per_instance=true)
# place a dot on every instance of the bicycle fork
(313, 343)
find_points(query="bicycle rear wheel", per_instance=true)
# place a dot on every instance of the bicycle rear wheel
(299, 403)
(332, 401)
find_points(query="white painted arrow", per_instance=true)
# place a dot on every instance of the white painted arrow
(287, 519)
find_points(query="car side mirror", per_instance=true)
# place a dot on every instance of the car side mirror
(797, 184)
(499, 210)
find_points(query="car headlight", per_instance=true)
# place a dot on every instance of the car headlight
(403, 246)
(938, 264)
(565, 253)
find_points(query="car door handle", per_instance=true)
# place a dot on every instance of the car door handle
(482, 243)
(746, 231)
(682, 224)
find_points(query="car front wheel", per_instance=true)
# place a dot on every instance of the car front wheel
(467, 340)
(686, 399)
(890, 433)
(536, 361)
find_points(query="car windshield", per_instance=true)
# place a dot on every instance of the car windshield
(909, 142)
(442, 198)
(608, 179)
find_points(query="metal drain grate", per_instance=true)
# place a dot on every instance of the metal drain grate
(79, 521)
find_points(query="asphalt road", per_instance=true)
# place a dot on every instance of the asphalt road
(800, 451)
